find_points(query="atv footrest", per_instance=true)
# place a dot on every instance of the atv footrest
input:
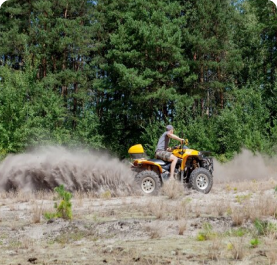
(159, 161)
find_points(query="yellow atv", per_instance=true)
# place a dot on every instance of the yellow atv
(194, 168)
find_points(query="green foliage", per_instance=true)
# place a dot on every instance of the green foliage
(111, 74)
(241, 198)
(264, 227)
(254, 242)
(229, 133)
(63, 209)
(207, 233)
(239, 232)
(87, 130)
(29, 114)
(201, 236)
(3, 154)
(201, 134)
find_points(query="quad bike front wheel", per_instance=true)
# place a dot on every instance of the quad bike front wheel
(149, 182)
(201, 180)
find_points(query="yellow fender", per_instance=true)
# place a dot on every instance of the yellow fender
(142, 162)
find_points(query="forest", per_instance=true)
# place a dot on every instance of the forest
(109, 74)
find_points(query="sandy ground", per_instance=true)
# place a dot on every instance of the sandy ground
(234, 224)
(179, 227)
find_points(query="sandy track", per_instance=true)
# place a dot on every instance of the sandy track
(177, 227)
(138, 230)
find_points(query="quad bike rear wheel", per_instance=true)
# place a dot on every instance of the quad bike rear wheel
(201, 180)
(149, 182)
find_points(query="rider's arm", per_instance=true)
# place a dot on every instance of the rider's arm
(175, 137)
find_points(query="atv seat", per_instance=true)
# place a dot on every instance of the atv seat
(159, 161)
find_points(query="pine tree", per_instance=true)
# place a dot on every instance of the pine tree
(266, 13)
(142, 65)
(59, 38)
(214, 58)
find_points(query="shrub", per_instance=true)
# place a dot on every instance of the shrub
(64, 209)
(254, 242)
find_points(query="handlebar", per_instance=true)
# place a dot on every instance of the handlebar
(186, 142)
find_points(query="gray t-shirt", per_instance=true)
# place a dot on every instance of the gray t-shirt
(163, 142)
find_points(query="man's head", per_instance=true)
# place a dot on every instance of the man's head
(169, 128)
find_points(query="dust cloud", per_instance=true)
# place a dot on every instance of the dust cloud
(246, 166)
(48, 167)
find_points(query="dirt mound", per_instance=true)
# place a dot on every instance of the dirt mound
(48, 167)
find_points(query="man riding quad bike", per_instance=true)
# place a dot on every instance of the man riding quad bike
(193, 168)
